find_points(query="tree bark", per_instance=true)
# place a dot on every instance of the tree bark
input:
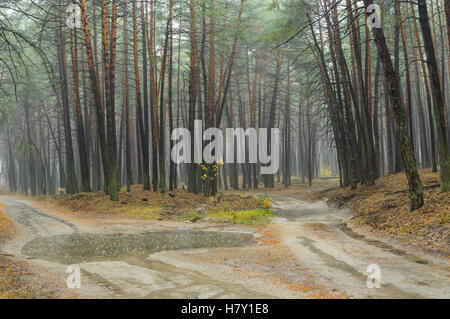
(126, 101)
(193, 86)
(82, 149)
(96, 90)
(438, 98)
(427, 93)
(414, 182)
(71, 186)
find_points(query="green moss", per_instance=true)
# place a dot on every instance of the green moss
(150, 213)
(445, 220)
(407, 228)
(246, 217)
(190, 217)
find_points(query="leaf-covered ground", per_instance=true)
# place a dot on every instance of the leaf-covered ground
(6, 226)
(385, 208)
(176, 205)
(18, 279)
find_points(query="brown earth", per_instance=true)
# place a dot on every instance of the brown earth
(141, 204)
(6, 225)
(20, 280)
(287, 257)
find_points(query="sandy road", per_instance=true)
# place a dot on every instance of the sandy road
(320, 237)
(116, 263)
(51, 241)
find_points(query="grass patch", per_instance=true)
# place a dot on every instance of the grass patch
(445, 220)
(191, 217)
(178, 205)
(150, 213)
(245, 217)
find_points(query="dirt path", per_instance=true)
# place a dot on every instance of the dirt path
(113, 259)
(306, 252)
(320, 237)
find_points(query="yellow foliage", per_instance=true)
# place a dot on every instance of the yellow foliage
(6, 226)
(246, 217)
(326, 171)
(142, 212)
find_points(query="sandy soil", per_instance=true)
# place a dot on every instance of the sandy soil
(307, 251)
(383, 209)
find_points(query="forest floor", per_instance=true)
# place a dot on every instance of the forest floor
(19, 279)
(217, 266)
(179, 205)
(384, 209)
(180, 245)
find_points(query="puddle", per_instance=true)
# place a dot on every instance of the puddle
(78, 248)
(309, 212)
(295, 215)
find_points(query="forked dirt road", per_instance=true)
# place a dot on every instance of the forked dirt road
(307, 251)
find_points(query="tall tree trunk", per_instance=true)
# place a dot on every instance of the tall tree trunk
(408, 102)
(229, 73)
(30, 156)
(269, 179)
(126, 101)
(170, 84)
(398, 167)
(210, 184)
(193, 86)
(414, 182)
(443, 83)
(96, 89)
(344, 136)
(438, 98)
(162, 124)
(287, 126)
(427, 93)
(143, 122)
(349, 128)
(375, 116)
(11, 164)
(154, 99)
(367, 140)
(447, 17)
(112, 184)
(71, 186)
(82, 149)
(144, 149)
